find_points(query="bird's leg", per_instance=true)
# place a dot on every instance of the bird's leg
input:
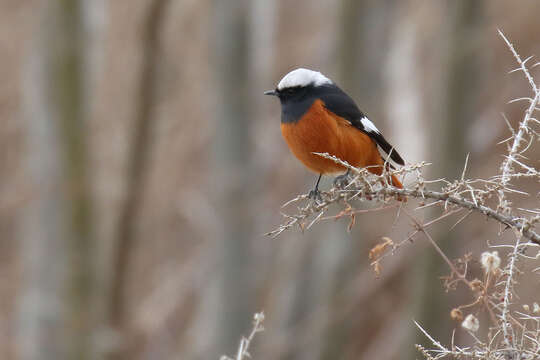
(315, 193)
(342, 180)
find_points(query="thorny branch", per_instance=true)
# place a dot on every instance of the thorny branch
(507, 171)
(514, 334)
(523, 130)
(366, 186)
(521, 331)
(242, 352)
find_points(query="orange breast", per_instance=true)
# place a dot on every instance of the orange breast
(319, 130)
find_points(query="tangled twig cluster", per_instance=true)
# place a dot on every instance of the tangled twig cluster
(513, 333)
(464, 194)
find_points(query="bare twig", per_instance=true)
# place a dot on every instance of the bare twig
(368, 190)
(523, 129)
(243, 348)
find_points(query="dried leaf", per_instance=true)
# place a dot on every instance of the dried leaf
(379, 249)
(351, 224)
(456, 314)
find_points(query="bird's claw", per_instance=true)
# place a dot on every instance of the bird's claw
(341, 181)
(315, 195)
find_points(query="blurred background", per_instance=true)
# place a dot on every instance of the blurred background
(141, 166)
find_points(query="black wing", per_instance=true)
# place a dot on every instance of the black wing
(341, 104)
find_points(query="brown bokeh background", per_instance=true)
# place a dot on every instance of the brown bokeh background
(141, 164)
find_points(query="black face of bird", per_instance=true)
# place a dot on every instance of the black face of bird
(295, 93)
(297, 84)
(295, 101)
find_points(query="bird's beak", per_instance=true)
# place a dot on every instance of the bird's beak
(271, 92)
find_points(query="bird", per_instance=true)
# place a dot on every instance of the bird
(318, 117)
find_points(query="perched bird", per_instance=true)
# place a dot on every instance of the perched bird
(317, 116)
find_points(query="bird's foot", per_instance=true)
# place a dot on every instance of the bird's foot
(315, 195)
(342, 180)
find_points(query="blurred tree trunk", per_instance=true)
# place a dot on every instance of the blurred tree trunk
(404, 101)
(233, 172)
(363, 41)
(458, 97)
(56, 315)
(138, 163)
(349, 20)
(261, 49)
(139, 155)
(225, 311)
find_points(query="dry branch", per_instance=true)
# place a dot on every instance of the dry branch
(367, 186)
(513, 334)
(242, 352)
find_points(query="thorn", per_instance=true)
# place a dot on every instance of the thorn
(520, 99)
(527, 59)
(465, 167)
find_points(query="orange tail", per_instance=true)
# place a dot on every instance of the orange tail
(394, 181)
(399, 185)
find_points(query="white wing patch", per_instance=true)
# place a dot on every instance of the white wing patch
(369, 126)
(303, 77)
(386, 157)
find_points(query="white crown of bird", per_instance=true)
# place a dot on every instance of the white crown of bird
(303, 77)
